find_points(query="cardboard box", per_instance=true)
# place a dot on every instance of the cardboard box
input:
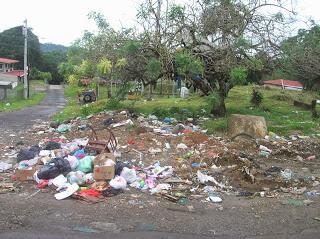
(26, 174)
(100, 171)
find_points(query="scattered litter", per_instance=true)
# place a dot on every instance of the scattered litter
(118, 183)
(71, 189)
(182, 146)
(5, 166)
(63, 128)
(295, 202)
(171, 160)
(214, 199)
(287, 174)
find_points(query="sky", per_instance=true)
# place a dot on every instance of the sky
(63, 21)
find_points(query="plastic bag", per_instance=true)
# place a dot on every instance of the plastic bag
(76, 177)
(63, 128)
(58, 181)
(53, 168)
(118, 183)
(73, 161)
(129, 174)
(86, 164)
(160, 187)
(88, 178)
(71, 189)
(27, 154)
(51, 145)
(79, 154)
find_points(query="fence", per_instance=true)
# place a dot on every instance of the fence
(16, 93)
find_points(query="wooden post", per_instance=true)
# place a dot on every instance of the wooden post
(313, 109)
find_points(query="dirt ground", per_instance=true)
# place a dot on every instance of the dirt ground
(281, 211)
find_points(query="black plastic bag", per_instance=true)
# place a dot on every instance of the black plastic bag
(54, 168)
(52, 145)
(27, 154)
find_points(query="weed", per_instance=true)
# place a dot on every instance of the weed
(256, 98)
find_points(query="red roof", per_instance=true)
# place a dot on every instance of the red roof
(18, 73)
(288, 83)
(8, 61)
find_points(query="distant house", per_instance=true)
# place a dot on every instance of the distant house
(7, 67)
(9, 76)
(284, 84)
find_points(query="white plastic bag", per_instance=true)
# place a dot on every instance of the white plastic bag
(129, 175)
(118, 183)
(160, 187)
(71, 189)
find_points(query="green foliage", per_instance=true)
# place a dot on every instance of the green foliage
(213, 100)
(104, 67)
(301, 55)
(35, 74)
(114, 104)
(255, 64)
(242, 43)
(153, 68)
(46, 77)
(178, 113)
(176, 12)
(51, 61)
(131, 47)
(239, 75)
(100, 20)
(122, 91)
(65, 69)
(87, 69)
(11, 46)
(91, 108)
(122, 62)
(256, 98)
(73, 80)
(187, 64)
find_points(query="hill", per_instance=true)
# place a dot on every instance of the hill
(12, 43)
(49, 47)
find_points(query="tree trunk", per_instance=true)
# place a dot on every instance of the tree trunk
(219, 109)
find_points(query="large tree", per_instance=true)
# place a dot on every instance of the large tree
(301, 56)
(12, 46)
(51, 61)
(228, 35)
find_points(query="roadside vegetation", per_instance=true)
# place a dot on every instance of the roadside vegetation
(218, 48)
(277, 107)
(15, 100)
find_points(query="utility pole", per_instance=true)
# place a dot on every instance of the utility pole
(25, 63)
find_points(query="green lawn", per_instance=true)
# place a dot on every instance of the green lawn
(277, 108)
(12, 105)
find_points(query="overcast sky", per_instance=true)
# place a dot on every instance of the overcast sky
(62, 21)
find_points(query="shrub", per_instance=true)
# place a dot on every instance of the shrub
(256, 98)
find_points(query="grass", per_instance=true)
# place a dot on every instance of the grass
(16, 101)
(73, 109)
(277, 108)
(21, 103)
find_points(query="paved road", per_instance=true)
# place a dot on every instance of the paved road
(18, 121)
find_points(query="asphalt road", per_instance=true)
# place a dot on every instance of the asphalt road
(20, 120)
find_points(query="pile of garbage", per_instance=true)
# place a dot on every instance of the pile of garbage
(175, 160)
